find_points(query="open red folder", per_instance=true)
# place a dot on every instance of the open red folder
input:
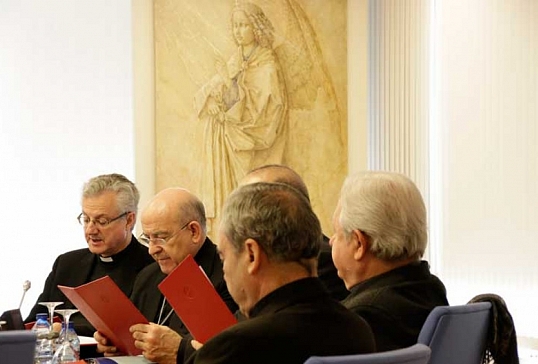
(109, 310)
(195, 301)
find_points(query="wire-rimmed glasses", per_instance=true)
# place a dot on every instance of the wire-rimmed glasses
(102, 222)
(160, 241)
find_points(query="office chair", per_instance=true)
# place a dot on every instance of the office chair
(501, 345)
(416, 354)
(12, 320)
(457, 334)
(17, 347)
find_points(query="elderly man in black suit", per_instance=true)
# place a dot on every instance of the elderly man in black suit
(174, 226)
(380, 237)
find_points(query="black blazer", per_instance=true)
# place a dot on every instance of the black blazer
(288, 326)
(148, 298)
(76, 267)
(396, 303)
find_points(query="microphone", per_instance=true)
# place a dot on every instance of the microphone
(25, 287)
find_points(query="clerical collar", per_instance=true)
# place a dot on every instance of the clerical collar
(106, 259)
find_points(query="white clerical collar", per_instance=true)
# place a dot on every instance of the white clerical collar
(106, 259)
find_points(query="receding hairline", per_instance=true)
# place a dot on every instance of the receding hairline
(169, 199)
(178, 202)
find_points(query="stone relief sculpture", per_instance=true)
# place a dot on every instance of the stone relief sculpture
(244, 108)
(262, 93)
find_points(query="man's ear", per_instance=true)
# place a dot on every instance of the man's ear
(195, 229)
(254, 255)
(131, 220)
(360, 243)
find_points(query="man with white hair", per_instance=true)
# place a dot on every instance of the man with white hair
(379, 240)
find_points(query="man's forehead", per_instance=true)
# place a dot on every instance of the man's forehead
(102, 203)
(155, 224)
(158, 215)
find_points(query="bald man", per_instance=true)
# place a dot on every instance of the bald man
(174, 226)
(327, 273)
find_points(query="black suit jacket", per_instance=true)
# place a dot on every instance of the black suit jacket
(396, 303)
(288, 326)
(76, 267)
(148, 298)
(328, 273)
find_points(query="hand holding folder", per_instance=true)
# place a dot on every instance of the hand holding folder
(194, 299)
(109, 310)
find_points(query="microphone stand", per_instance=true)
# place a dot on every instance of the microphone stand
(25, 286)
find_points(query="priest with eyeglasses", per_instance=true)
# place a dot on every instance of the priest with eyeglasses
(109, 211)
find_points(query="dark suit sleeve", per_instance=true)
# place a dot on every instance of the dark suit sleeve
(223, 349)
(185, 349)
(135, 296)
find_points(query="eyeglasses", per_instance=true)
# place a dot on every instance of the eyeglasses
(160, 241)
(102, 222)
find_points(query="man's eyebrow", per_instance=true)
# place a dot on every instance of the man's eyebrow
(156, 233)
(94, 217)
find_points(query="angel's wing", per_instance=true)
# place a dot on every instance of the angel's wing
(317, 127)
(302, 60)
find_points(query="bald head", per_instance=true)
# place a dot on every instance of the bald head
(176, 204)
(276, 173)
(174, 220)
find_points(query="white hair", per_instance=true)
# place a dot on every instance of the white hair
(389, 209)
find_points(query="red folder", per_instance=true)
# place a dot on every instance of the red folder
(109, 310)
(195, 301)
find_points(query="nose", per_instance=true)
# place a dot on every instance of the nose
(154, 248)
(90, 227)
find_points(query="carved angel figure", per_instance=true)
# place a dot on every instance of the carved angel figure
(272, 102)
(244, 107)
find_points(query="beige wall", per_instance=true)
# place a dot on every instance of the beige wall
(144, 109)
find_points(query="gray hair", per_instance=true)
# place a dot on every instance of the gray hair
(127, 195)
(389, 209)
(277, 216)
